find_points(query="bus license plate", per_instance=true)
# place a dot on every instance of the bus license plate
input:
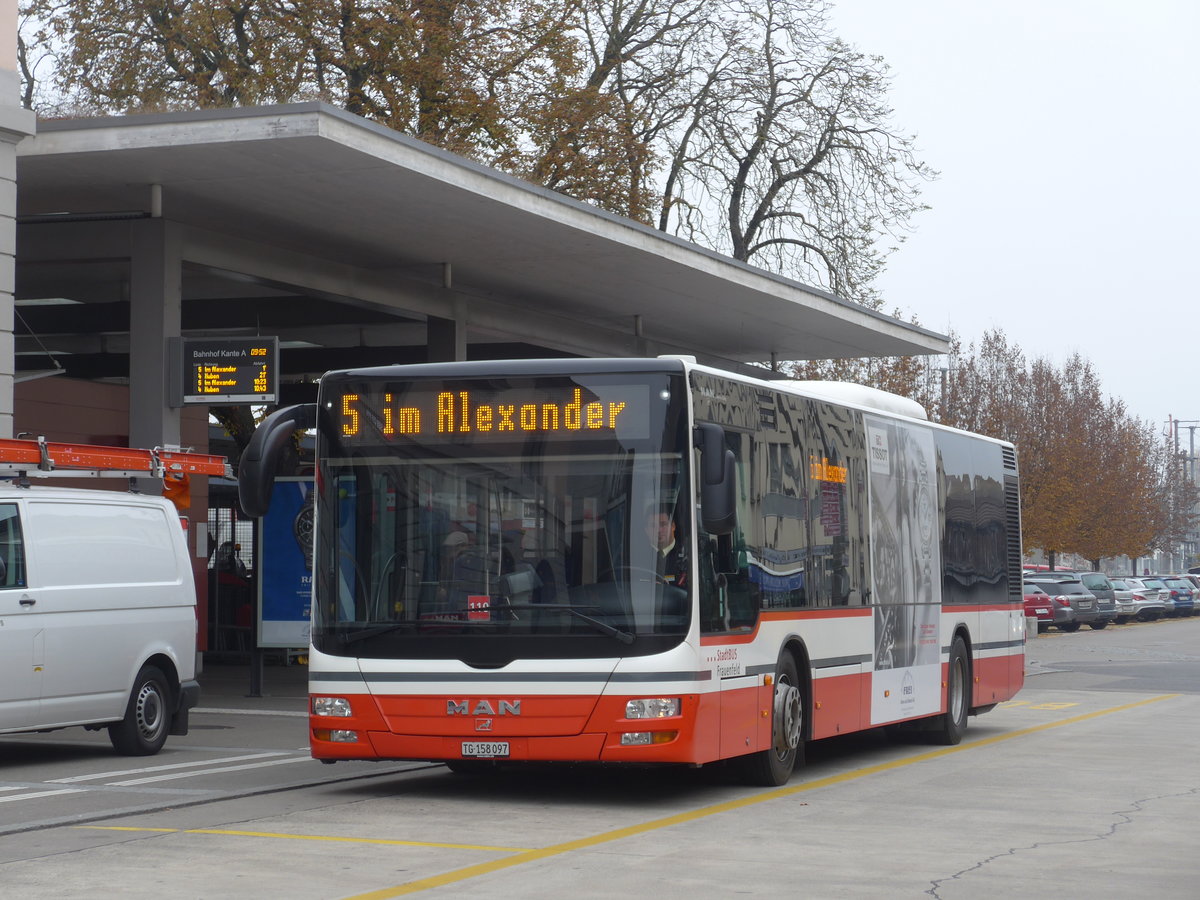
(485, 749)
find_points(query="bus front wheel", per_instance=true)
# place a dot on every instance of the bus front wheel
(772, 767)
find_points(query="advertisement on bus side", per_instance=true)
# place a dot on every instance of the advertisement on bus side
(906, 566)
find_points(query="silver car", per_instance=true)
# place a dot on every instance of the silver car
(1135, 601)
(1164, 593)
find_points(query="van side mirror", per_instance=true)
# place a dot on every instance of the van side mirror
(260, 459)
(718, 480)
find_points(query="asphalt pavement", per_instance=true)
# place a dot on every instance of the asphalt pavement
(1048, 796)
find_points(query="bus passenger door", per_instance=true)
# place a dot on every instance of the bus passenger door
(728, 610)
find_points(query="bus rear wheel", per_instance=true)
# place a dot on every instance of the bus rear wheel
(952, 724)
(773, 767)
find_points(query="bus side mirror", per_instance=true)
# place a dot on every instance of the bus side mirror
(260, 459)
(718, 480)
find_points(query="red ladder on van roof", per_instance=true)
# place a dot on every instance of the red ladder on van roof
(52, 459)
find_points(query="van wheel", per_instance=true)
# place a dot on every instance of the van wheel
(773, 767)
(147, 720)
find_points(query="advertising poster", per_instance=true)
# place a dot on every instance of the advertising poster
(906, 569)
(285, 545)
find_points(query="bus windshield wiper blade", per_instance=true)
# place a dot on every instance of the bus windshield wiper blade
(377, 631)
(623, 636)
(364, 633)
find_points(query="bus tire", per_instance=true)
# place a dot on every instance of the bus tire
(773, 767)
(147, 720)
(952, 724)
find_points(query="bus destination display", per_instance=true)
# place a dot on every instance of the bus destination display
(465, 413)
(230, 370)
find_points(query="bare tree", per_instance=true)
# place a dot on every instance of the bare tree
(792, 154)
(743, 125)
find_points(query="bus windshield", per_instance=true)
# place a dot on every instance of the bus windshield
(494, 519)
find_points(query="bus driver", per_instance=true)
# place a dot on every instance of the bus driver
(671, 562)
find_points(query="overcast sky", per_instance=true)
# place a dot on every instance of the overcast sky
(1065, 133)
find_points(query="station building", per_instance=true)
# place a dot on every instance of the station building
(343, 243)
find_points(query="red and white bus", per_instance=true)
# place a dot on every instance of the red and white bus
(486, 586)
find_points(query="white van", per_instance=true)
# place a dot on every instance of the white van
(97, 615)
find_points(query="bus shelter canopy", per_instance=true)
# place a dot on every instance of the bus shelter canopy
(354, 243)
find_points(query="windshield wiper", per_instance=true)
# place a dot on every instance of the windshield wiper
(453, 619)
(363, 634)
(623, 636)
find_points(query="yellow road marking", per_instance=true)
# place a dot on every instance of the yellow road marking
(309, 837)
(522, 855)
(528, 856)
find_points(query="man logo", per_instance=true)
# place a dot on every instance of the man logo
(483, 708)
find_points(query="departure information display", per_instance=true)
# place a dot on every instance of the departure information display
(230, 370)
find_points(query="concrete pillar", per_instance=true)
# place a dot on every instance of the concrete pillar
(445, 340)
(16, 124)
(155, 307)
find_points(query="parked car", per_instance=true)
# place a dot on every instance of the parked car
(1067, 589)
(1183, 592)
(1136, 601)
(1099, 585)
(1123, 596)
(1039, 605)
(1164, 594)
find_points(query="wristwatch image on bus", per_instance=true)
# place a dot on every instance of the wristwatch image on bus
(302, 528)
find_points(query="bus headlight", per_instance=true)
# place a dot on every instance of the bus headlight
(652, 708)
(331, 706)
(336, 736)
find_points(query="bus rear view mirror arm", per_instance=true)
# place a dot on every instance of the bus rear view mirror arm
(260, 460)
